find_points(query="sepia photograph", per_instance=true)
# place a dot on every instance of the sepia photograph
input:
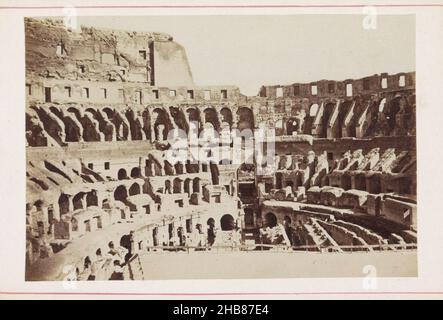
(220, 147)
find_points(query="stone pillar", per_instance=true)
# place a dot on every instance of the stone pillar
(100, 198)
(70, 203)
(56, 211)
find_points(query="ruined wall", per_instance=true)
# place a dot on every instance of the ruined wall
(99, 54)
(339, 89)
(171, 66)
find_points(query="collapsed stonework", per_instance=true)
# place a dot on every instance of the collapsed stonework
(100, 105)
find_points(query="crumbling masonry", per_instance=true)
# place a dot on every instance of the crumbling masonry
(100, 105)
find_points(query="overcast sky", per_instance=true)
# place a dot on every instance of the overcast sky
(250, 51)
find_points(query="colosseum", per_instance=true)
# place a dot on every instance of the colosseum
(105, 201)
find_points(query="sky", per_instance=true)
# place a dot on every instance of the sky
(251, 51)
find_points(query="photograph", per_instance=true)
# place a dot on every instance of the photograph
(220, 147)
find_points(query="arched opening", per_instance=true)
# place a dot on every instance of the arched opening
(168, 187)
(226, 116)
(63, 203)
(193, 116)
(178, 168)
(291, 126)
(210, 222)
(381, 106)
(246, 119)
(187, 186)
(122, 174)
(270, 220)
(135, 172)
(91, 199)
(169, 169)
(177, 185)
(179, 118)
(227, 222)
(327, 112)
(78, 201)
(196, 185)
(309, 120)
(134, 125)
(212, 118)
(120, 193)
(134, 189)
(162, 124)
(390, 113)
(211, 231)
(313, 110)
(72, 132)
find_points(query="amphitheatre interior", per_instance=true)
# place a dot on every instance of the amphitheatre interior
(100, 106)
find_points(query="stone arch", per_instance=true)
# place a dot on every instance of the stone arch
(313, 109)
(169, 169)
(50, 125)
(134, 125)
(196, 185)
(227, 222)
(108, 111)
(153, 163)
(134, 189)
(211, 117)
(270, 220)
(177, 185)
(226, 114)
(391, 111)
(179, 118)
(120, 193)
(309, 119)
(91, 199)
(210, 222)
(187, 186)
(63, 203)
(168, 186)
(121, 174)
(162, 124)
(122, 127)
(135, 172)
(78, 200)
(193, 115)
(146, 118)
(246, 118)
(90, 131)
(105, 126)
(292, 125)
(179, 168)
(327, 112)
(72, 130)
